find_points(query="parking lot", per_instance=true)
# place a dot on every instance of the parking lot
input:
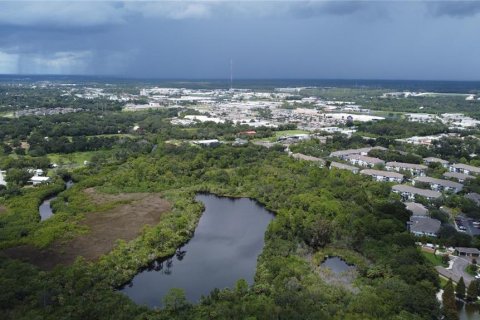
(466, 225)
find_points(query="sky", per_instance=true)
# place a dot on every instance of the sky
(413, 40)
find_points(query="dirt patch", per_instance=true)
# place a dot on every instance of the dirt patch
(2, 209)
(101, 198)
(123, 222)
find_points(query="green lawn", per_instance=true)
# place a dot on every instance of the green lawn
(434, 259)
(75, 159)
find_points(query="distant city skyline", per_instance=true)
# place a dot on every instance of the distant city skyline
(413, 40)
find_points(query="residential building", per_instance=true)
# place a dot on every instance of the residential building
(207, 143)
(300, 156)
(364, 161)
(475, 197)
(460, 177)
(417, 209)
(464, 168)
(430, 160)
(414, 169)
(467, 252)
(342, 154)
(384, 176)
(409, 192)
(440, 184)
(424, 226)
(35, 180)
(342, 166)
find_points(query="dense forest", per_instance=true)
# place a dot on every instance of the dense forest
(317, 211)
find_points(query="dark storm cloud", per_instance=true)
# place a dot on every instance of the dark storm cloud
(457, 9)
(269, 39)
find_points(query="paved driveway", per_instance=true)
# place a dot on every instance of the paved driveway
(457, 270)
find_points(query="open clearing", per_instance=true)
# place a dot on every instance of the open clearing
(124, 222)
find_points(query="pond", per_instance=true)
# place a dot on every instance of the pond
(337, 265)
(468, 311)
(227, 241)
(45, 208)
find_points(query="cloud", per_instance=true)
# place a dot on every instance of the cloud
(60, 14)
(63, 62)
(455, 9)
(8, 63)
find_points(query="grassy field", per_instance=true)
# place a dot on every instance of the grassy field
(282, 133)
(75, 159)
(434, 259)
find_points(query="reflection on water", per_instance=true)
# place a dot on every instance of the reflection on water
(468, 311)
(227, 241)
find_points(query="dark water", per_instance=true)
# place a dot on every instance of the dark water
(224, 249)
(45, 208)
(468, 311)
(336, 264)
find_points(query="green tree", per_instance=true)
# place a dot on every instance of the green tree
(175, 300)
(460, 289)
(449, 304)
(472, 291)
(18, 177)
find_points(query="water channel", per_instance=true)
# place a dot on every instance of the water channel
(227, 241)
(45, 208)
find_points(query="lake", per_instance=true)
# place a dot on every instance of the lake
(227, 241)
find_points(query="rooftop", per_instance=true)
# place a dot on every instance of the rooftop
(446, 183)
(424, 225)
(366, 159)
(339, 165)
(457, 175)
(372, 172)
(417, 191)
(406, 165)
(416, 208)
(466, 167)
(433, 159)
